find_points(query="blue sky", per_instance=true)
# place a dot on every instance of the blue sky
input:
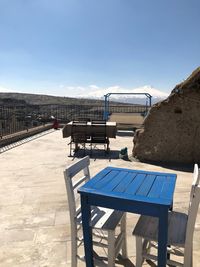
(66, 47)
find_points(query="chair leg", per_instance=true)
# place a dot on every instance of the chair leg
(111, 248)
(123, 230)
(70, 147)
(188, 257)
(84, 148)
(108, 148)
(74, 245)
(191, 256)
(139, 258)
(74, 251)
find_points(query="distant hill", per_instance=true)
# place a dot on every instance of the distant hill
(34, 99)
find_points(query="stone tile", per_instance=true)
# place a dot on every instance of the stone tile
(14, 216)
(48, 207)
(10, 222)
(40, 220)
(44, 195)
(14, 210)
(14, 256)
(8, 198)
(62, 217)
(52, 254)
(196, 258)
(52, 234)
(17, 235)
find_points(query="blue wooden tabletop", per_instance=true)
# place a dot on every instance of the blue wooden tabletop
(137, 185)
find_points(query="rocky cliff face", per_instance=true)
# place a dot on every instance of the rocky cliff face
(172, 128)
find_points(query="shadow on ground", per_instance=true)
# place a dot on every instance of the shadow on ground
(119, 262)
(170, 165)
(97, 154)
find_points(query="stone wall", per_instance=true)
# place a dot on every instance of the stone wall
(171, 130)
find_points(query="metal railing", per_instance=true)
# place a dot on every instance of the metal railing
(24, 117)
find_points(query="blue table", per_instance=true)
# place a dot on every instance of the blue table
(136, 191)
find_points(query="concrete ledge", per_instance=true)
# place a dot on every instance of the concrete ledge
(9, 139)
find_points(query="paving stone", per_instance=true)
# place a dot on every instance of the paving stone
(47, 219)
(52, 234)
(54, 207)
(62, 217)
(16, 256)
(17, 235)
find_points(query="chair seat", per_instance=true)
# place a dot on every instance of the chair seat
(103, 218)
(147, 228)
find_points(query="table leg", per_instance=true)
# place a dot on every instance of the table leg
(87, 231)
(168, 254)
(162, 238)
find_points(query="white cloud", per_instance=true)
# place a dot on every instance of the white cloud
(5, 90)
(99, 94)
(93, 86)
(73, 90)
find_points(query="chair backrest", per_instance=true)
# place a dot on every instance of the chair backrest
(72, 185)
(193, 206)
(79, 132)
(196, 178)
(98, 131)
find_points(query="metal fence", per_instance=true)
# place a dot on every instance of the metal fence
(141, 109)
(23, 117)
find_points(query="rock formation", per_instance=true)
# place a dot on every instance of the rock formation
(171, 130)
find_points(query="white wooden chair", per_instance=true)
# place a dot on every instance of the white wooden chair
(180, 232)
(109, 226)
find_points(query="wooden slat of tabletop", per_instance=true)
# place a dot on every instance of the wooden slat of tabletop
(135, 184)
(99, 176)
(116, 179)
(157, 187)
(168, 188)
(124, 184)
(146, 185)
(104, 181)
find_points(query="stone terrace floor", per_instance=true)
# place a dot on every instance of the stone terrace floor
(34, 218)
